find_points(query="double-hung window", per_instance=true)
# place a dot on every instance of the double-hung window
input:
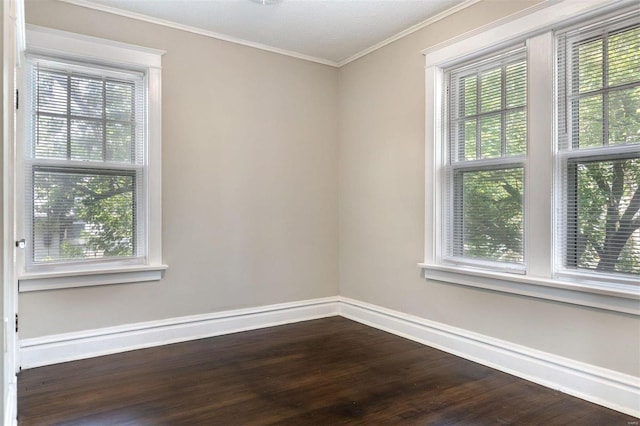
(84, 164)
(486, 153)
(89, 162)
(533, 156)
(599, 150)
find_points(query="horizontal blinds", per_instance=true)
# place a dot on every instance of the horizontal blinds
(487, 108)
(599, 104)
(488, 214)
(84, 158)
(85, 114)
(486, 148)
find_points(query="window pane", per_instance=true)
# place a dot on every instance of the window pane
(470, 95)
(516, 84)
(470, 139)
(51, 137)
(589, 64)
(86, 140)
(491, 90)
(603, 216)
(79, 216)
(119, 142)
(119, 101)
(491, 136)
(492, 216)
(51, 96)
(624, 56)
(624, 116)
(588, 122)
(516, 132)
(86, 97)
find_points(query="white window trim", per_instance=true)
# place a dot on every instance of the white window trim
(70, 46)
(535, 26)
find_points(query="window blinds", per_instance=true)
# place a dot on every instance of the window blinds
(84, 158)
(487, 141)
(599, 145)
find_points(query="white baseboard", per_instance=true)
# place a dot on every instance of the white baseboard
(608, 388)
(11, 406)
(53, 349)
(605, 387)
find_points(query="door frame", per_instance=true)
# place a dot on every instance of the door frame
(13, 40)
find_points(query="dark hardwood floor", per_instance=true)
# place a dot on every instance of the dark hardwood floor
(325, 372)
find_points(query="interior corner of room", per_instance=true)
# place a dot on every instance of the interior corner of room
(293, 188)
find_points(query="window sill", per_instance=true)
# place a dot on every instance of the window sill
(613, 297)
(87, 278)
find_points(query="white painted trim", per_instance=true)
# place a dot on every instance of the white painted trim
(47, 41)
(516, 27)
(51, 281)
(410, 30)
(199, 31)
(599, 385)
(67, 45)
(219, 36)
(598, 295)
(538, 183)
(58, 348)
(10, 406)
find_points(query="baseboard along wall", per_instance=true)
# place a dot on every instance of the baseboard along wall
(605, 387)
(601, 386)
(65, 347)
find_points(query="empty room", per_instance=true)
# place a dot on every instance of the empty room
(321, 212)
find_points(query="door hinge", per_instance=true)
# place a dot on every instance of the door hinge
(16, 323)
(17, 99)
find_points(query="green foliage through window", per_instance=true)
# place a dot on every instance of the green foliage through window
(86, 163)
(603, 192)
(488, 121)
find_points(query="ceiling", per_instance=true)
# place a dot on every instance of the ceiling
(332, 32)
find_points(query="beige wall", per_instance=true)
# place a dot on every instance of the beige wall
(382, 204)
(264, 138)
(249, 181)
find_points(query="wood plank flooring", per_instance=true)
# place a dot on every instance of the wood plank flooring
(330, 371)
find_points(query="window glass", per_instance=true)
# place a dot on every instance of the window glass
(600, 227)
(84, 166)
(488, 122)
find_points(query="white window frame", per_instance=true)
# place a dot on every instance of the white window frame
(451, 165)
(534, 27)
(90, 50)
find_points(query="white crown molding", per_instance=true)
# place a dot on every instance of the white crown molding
(408, 31)
(199, 31)
(146, 18)
(611, 389)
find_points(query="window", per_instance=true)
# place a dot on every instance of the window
(84, 164)
(89, 162)
(533, 156)
(599, 145)
(486, 157)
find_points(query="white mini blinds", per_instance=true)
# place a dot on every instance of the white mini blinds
(84, 163)
(533, 156)
(599, 147)
(486, 151)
